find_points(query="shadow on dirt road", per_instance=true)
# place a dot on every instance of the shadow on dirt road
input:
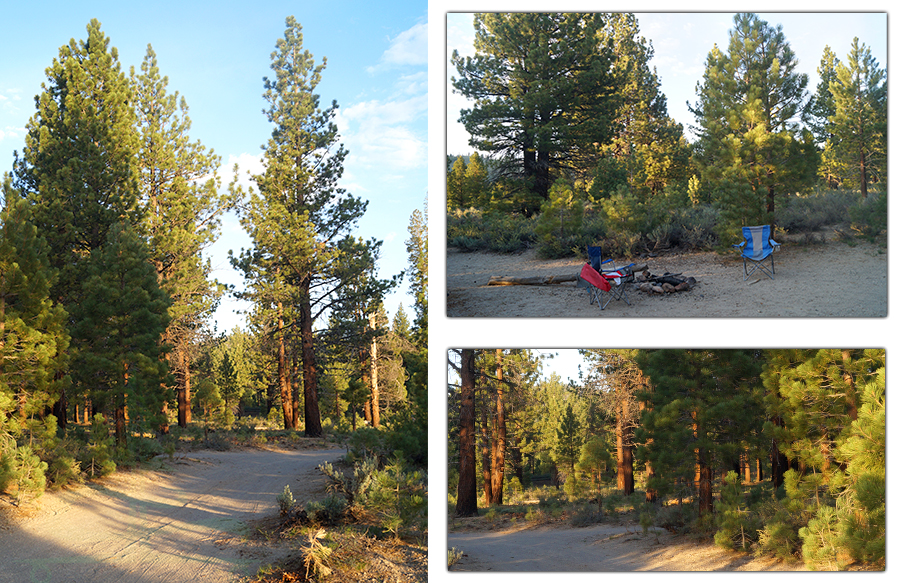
(148, 526)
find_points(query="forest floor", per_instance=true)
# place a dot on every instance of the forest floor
(612, 546)
(825, 278)
(196, 519)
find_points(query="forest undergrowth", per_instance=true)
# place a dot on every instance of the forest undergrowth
(369, 523)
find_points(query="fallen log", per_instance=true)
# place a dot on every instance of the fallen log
(536, 280)
(541, 279)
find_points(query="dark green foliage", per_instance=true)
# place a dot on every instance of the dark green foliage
(119, 322)
(475, 230)
(704, 401)
(97, 457)
(542, 89)
(737, 526)
(559, 226)
(568, 439)
(78, 166)
(33, 338)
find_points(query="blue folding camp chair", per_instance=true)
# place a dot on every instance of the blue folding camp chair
(756, 248)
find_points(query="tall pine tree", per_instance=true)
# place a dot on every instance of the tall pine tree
(542, 89)
(300, 220)
(751, 145)
(182, 209)
(78, 168)
(33, 337)
(859, 143)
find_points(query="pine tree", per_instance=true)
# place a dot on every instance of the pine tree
(417, 250)
(33, 337)
(118, 325)
(615, 380)
(466, 496)
(300, 220)
(401, 326)
(542, 92)
(703, 410)
(863, 524)
(182, 209)
(859, 123)
(647, 145)
(457, 195)
(476, 183)
(751, 147)
(78, 169)
(821, 109)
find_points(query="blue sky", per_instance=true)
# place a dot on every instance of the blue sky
(215, 54)
(682, 42)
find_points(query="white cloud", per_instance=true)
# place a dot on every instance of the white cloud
(410, 47)
(11, 133)
(247, 164)
(378, 133)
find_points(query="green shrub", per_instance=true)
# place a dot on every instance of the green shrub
(821, 541)
(285, 500)
(869, 215)
(97, 457)
(737, 526)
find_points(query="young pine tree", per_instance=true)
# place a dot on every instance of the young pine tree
(118, 325)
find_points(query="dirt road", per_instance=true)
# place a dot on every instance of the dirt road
(601, 548)
(178, 525)
(830, 280)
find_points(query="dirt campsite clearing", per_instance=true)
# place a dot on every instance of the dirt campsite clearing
(599, 548)
(826, 279)
(185, 524)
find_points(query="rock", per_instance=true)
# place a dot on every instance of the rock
(668, 288)
(656, 289)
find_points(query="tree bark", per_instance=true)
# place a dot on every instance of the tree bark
(373, 376)
(705, 483)
(486, 450)
(284, 381)
(624, 453)
(466, 493)
(498, 450)
(313, 420)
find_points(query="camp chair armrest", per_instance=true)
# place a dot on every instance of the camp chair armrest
(774, 244)
(739, 246)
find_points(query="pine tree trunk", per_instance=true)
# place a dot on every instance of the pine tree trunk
(498, 449)
(466, 493)
(485, 452)
(863, 177)
(705, 483)
(624, 455)
(185, 394)
(312, 418)
(284, 382)
(373, 377)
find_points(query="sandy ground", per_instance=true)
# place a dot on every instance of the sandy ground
(831, 279)
(179, 525)
(597, 548)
